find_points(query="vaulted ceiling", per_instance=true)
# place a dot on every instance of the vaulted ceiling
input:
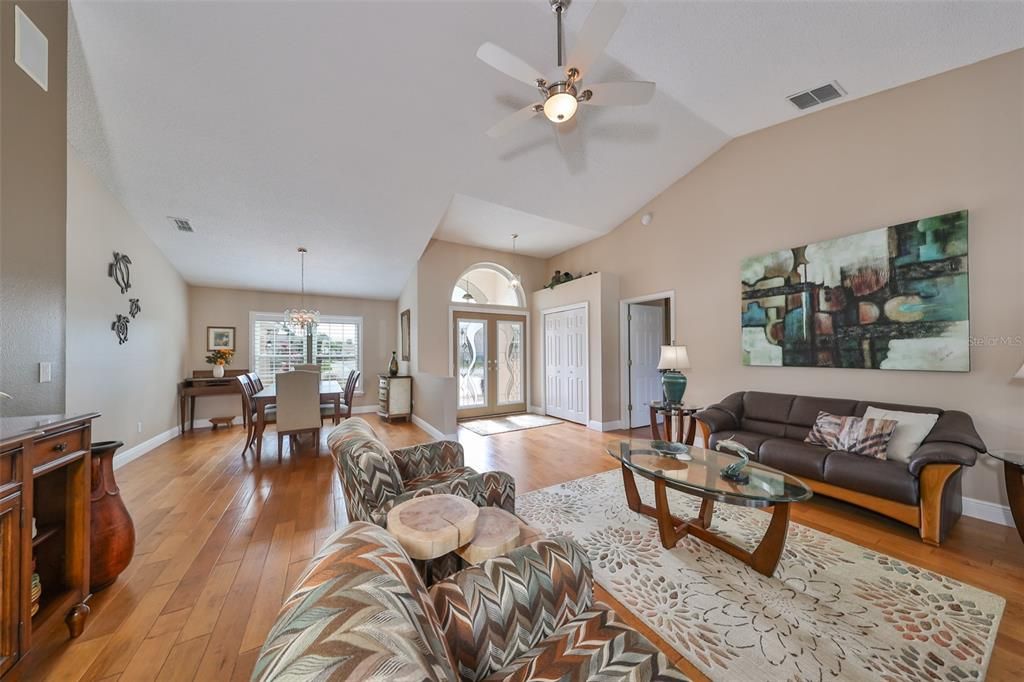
(356, 129)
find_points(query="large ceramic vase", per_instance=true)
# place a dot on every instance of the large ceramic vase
(112, 536)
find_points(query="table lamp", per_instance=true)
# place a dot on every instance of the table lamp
(673, 383)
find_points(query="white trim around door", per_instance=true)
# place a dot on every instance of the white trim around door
(624, 343)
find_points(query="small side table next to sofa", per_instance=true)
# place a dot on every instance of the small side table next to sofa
(1013, 472)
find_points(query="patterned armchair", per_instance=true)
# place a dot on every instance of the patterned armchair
(375, 479)
(361, 612)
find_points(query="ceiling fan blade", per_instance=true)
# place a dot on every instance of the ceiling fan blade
(570, 144)
(597, 30)
(510, 122)
(620, 93)
(501, 59)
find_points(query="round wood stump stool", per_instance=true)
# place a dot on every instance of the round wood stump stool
(431, 526)
(497, 532)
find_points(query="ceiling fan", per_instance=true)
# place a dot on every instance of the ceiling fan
(562, 98)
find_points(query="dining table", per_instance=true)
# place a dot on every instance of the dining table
(330, 392)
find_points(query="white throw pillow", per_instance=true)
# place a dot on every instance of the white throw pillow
(911, 429)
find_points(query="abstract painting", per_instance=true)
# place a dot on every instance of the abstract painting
(892, 298)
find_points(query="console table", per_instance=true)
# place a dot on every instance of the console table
(45, 475)
(202, 382)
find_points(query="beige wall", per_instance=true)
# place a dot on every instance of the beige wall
(33, 186)
(600, 292)
(954, 141)
(231, 307)
(427, 294)
(135, 382)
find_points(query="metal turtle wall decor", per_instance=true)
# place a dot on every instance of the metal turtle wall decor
(120, 327)
(119, 270)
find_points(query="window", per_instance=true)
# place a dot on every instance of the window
(336, 345)
(488, 284)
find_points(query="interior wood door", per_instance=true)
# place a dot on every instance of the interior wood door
(566, 390)
(646, 334)
(490, 363)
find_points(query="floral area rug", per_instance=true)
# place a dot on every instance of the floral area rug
(832, 610)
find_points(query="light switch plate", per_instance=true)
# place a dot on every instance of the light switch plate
(45, 372)
(31, 49)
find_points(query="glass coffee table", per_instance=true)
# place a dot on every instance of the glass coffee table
(696, 471)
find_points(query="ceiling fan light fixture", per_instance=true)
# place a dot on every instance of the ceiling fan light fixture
(560, 107)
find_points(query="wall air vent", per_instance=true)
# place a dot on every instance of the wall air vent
(816, 96)
(182, 224)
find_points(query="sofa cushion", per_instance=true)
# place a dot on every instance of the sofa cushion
(794, 457)
(805, 409)
(868, 437)
(826, 431)
(767, 407)
(747, 438)
(878, 477)
(911, 430)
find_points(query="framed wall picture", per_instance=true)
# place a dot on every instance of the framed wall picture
(220, 338)
(406, 321)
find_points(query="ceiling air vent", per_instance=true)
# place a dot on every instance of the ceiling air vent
(182, 224)
(816, 96)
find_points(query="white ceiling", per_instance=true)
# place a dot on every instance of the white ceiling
(356, 129)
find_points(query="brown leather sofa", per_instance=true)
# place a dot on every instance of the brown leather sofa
(924, 492)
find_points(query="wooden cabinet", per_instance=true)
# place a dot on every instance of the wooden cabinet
(10, 581)
(44, 476)
(394, 397)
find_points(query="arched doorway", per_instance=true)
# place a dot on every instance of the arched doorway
(489, 341)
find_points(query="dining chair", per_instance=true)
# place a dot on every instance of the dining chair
(257, 383)
(249, 416)
(298, 406)
(308, 368)
(327, 409)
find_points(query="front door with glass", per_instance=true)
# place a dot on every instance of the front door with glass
(490, 363)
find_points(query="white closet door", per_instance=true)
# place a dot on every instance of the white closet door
(565, 364)
(646, 332)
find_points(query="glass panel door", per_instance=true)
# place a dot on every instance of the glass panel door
(471, 362)
(510, 360)
(490, 363)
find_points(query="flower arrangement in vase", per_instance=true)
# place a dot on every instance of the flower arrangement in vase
(218, 359)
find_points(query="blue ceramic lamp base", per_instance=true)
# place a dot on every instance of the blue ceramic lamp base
(673, 386)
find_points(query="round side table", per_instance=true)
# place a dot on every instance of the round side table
(431, 526)
(687, 429)
(1013, 473)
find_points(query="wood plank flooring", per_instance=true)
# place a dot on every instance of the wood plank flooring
(220, 540)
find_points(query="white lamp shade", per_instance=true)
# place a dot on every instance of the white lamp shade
(674, 357)
(1020, 373)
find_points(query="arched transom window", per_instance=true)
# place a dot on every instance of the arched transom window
(488, 284)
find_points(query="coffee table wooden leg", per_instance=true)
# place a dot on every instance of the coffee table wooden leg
(632, 495)
(766, 557)
(1014, 476)
(707, 512)
(670, 528)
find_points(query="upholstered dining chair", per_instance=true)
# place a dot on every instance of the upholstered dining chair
(257, 383)
(248, 389)
(298, 406)
(327, 409)
(308, 368)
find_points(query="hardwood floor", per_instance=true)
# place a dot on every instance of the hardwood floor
(220, 540)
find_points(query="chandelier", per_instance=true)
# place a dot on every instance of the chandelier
(302, 320)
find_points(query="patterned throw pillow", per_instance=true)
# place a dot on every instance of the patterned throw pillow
(868, 437)
(826, 431)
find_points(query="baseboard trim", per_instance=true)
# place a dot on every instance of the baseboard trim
(536, 409)
(605, 426)
(364, 409)
(136, 451)
(433, 430)
(988, 511)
